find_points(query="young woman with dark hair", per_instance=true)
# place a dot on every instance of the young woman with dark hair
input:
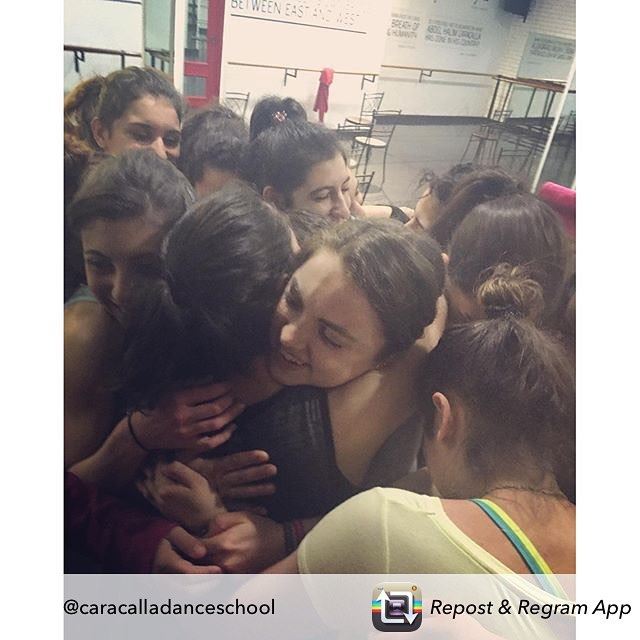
(123, 213)
(225, 266)
(471, 190)
(130, 108)
(436, 191)
(498, 398)
(337, 382)
(213, 144)
(300, 165)
(523, 235)
(143, 110)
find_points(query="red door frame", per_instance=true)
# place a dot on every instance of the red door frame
(210, 70)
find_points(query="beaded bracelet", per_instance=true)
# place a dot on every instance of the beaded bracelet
(133, 435)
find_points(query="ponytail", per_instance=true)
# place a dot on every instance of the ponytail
(80, 107)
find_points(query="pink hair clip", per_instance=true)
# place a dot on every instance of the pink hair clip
(279, 116)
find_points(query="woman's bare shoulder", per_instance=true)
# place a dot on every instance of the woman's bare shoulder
(87, 324)
(91, 336)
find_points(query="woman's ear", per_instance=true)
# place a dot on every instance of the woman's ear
(271, 195)
(445, 259)
(295, 245)
(99, 132)
(443, 423)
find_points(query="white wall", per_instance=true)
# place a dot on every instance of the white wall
(345, 35)
(101, 23)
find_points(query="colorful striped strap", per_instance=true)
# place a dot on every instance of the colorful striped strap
(532, 558)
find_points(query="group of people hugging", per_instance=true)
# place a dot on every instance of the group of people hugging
(264, 373)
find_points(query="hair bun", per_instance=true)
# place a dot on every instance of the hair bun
(505, 290)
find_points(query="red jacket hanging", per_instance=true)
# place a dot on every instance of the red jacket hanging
(322, 97)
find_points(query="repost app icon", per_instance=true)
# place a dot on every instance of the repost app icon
(396, 606)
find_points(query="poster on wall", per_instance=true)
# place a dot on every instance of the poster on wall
(404, 29)
(547, 57)
(443, 34)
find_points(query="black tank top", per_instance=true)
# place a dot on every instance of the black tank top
(398, 214)
(294, 427)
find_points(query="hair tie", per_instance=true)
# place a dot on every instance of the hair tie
(510, 311)
(279, 116)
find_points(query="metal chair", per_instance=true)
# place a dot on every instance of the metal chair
(487, 138)
(566, 133)
(364, 182)
(371, 102)
(351, 130)
(237, 102)
(378, 138)
(524, 147)
(568, 126)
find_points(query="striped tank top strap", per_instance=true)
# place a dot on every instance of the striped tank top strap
(532, 558)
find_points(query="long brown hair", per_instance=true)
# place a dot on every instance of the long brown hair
(521, 233)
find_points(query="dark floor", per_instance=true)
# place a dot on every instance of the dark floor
(418, 147)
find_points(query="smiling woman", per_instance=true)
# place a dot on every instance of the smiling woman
(346, 339)
(299, 165)
(327, 330)
(117, 254)
(122, 212)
